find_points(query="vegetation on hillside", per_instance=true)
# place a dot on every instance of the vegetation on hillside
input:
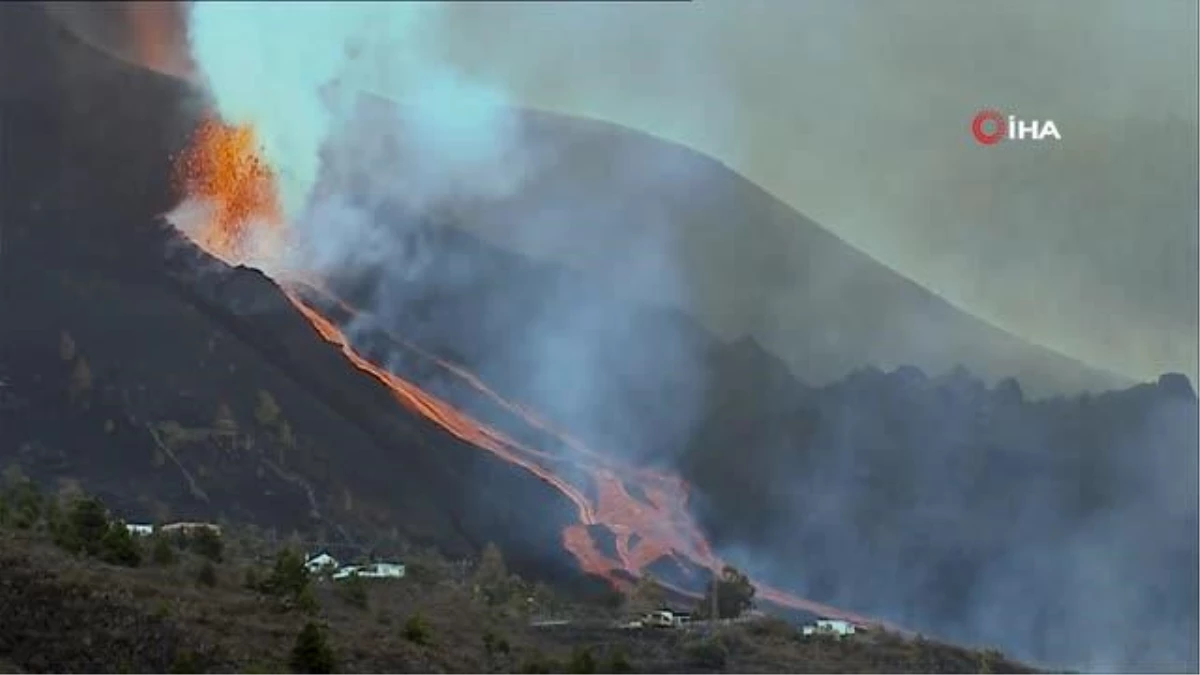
(203, 602)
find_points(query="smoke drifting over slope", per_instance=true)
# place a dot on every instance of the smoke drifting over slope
(373, 137)
(361, 179)
(1043, 572)
(1061, 530)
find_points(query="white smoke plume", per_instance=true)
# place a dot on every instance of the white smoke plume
(299, 73)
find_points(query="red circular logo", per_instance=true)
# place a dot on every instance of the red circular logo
(988, 127)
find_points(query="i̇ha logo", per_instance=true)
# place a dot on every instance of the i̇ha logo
(989, 127)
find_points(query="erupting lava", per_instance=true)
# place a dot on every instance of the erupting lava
(223, 171)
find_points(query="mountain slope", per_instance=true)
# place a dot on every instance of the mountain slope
(161, 336)
(661, 222)
(1061, 530)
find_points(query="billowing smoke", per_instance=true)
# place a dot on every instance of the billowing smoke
(297, 72)
(378, 144)
(377, 138)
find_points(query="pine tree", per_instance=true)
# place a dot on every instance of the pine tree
(312, 653)
(267, 413)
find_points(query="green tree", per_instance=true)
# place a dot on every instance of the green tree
(207, 543)
(161, 551)
(289, 577)
(27, 503)
(85, 527)
(267, 411)
(312, 653)
(118, 546)
(735, 595)
(491, 579)
(417, 630)
(306, 600)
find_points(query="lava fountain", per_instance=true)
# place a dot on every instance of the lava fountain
(233, 213)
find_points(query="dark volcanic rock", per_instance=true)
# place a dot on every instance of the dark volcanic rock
(1177, 384)
(166, 336)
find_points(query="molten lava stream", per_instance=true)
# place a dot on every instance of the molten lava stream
(222, 171)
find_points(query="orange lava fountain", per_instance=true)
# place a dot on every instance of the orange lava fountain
(222, 168)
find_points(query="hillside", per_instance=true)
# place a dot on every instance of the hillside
(165, 342)
(662, 223)
(176, 610)
(175, 387)
(966, 511)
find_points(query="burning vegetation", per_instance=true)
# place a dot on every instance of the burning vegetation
(223, 174)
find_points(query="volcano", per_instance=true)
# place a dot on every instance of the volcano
(167, 381)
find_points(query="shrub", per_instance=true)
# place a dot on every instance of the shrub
(207, 574)
(312, 653)
(354, 590)
(289, 577)
(85, 527)
(208, 544)
(582, 661)
(185, 662)
(118, 546)
(537, 663)
(416, 630)
(618, 663)
(306, 600)
(161, 551)
(494, 644)
(707, 653)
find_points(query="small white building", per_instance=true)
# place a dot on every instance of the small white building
(139, 529)
(321, 562)
(836, 627)
(661, 618)
(191, 528)
(382, 570)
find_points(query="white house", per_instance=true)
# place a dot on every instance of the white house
(321, 562)
(381, 570)
(662, 618)
(830, 627)
(191, 528)
(140, 529)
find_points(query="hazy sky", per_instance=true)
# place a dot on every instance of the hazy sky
(856, 112)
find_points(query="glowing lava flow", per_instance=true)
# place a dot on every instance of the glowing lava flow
(222, 170)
